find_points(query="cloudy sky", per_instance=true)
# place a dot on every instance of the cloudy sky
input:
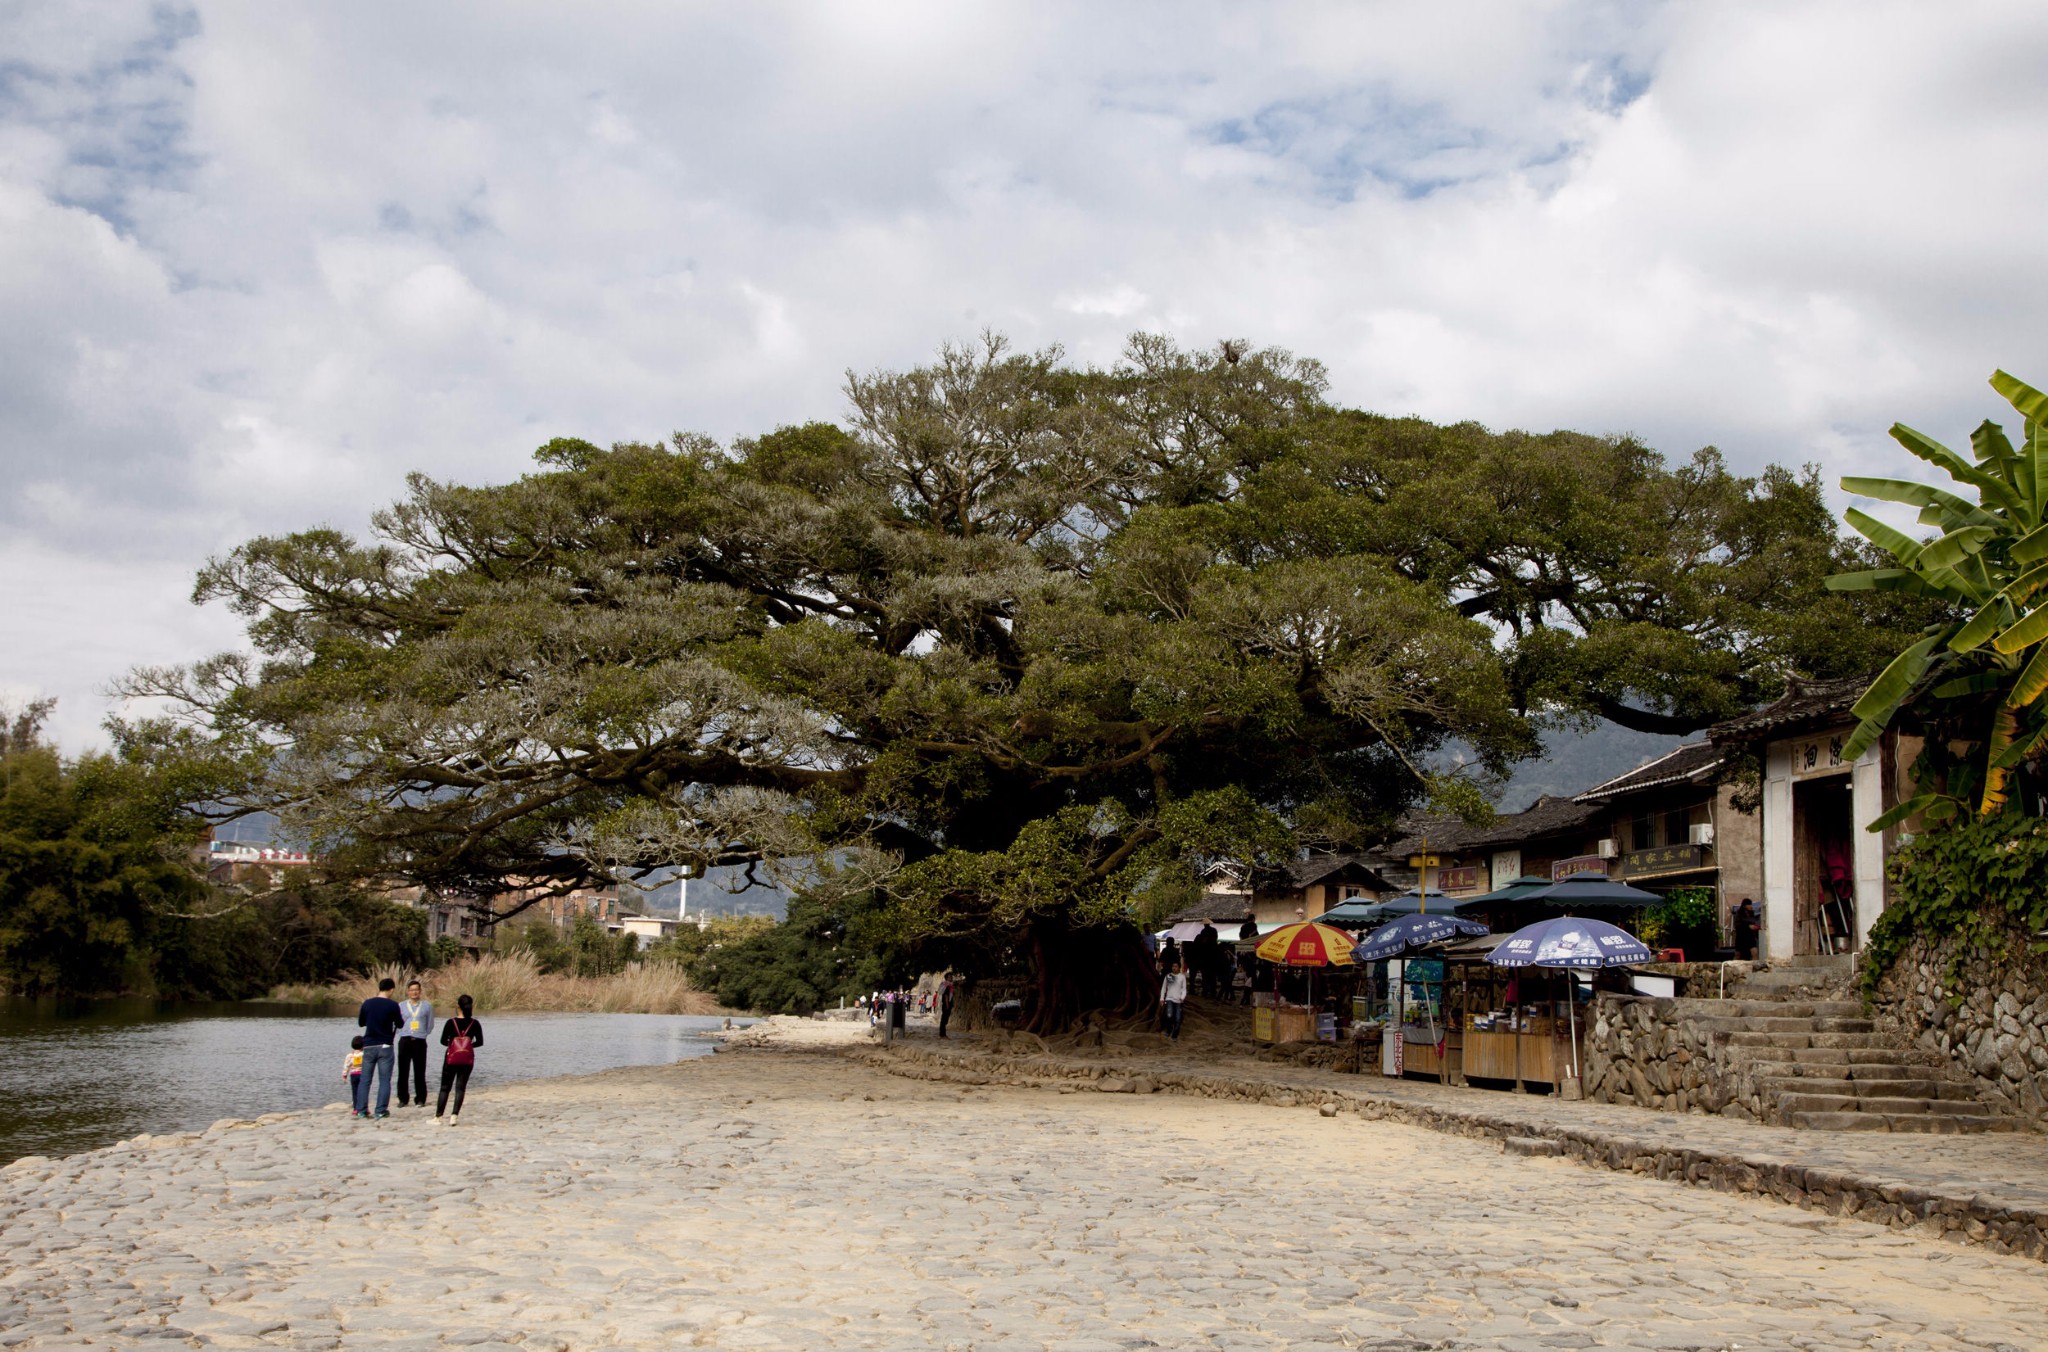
(257, 260)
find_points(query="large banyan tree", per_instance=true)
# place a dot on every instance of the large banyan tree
(1009, 650)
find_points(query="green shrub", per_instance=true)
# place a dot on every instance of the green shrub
(1982, 879)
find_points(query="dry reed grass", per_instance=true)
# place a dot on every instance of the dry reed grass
(513, 981)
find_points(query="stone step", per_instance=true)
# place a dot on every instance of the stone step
(1831, 1041)
(1930, 1124)
(1845, 963)
(1733, 1008)
(1789, 986)
(1789, 1024)
(1889, 1107)
(1902, 1087)
(1762, 1059)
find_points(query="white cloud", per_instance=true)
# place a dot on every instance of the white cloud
(258, 261)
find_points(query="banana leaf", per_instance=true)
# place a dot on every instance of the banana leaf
(1865, 737)
(2031, 546)
(1910, 808)
(2031, 403)
(2026, 584)
(2031, 629)
(1919, 495)
(1992, 487)
(1990, 443)
(2021, 748)
(1887, 693)
(2033, 679)
(1981, 683)
(1959, 544)
(1900, 545)
(1993, 797)
(1879, 579)
(1982, 626)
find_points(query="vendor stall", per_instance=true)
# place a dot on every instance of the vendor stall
(1567, 945)
(1289, 1011)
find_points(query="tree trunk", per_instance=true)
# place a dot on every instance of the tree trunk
(1077, 972)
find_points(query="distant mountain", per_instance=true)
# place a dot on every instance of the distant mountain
(1574, 762)
(721, 892)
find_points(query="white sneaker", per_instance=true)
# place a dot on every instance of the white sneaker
(455, 1120)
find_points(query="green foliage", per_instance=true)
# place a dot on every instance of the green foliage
(1978, 879)
(87, 861)
(1686, 919)
(1016, 649)
(100, 894)
(1977, 672)
(585, 950)
(817, 957)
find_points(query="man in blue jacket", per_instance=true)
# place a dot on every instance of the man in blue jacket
(379, 1019)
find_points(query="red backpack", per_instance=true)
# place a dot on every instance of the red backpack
(462, 1047)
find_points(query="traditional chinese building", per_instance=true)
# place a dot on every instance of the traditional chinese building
(1822, 881)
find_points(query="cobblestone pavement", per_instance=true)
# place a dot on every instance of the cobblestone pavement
(2004, 1170)
(764, 1200)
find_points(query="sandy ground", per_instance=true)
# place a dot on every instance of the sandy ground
(771, 1200)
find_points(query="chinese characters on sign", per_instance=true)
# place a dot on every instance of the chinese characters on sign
(1667, 859)
(1455, 879)
(1820, 755)
(1578, 863)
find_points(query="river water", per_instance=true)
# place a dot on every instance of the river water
(75, 1075)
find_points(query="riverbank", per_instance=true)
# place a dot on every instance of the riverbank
(83, 1076)
(514, 982)
(771, 1200)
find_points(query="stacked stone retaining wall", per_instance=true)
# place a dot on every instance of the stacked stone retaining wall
(1648, 1053)
(1984, 1006)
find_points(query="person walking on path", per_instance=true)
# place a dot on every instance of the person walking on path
(418, 1015)
(1745, 927)
(946, 985)
(1173, 998)
(379, 1019)
(461, 1036)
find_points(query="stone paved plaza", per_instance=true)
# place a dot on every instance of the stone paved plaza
(775, 1200)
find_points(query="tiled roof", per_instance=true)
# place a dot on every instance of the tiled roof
(1302, 873)
(1547, 816)
(1215, 906)
(1803, 702)
(1694, 761)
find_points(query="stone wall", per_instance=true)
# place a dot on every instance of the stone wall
(1649, 1053)
(1984, 1006)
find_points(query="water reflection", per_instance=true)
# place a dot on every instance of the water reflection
(79, 1074)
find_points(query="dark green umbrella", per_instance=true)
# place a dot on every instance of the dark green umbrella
(1361, 914)
(1593, 891)
(1514, 891)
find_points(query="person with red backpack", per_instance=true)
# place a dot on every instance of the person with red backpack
(461, 1036)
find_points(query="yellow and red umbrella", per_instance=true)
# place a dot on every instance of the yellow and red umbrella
(1307, 944)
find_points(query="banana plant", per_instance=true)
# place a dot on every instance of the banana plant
(1988, 559)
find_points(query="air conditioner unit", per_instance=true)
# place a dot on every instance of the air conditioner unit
(1701, 834)
(1608, 849)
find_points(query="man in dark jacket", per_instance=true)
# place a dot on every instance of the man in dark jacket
(379, 1019)
(1744, 924)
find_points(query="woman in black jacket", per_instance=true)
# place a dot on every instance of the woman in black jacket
(461, 1036)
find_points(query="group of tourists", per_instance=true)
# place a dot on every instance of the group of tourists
(395, 1033)
(889, 1009)
(1211, 966)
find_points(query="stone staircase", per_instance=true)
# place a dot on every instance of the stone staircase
(1808, 1056)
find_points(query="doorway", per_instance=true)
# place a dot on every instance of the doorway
(1823, 866)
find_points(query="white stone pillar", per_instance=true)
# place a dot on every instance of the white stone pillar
(1780, 929)
(1866, 805)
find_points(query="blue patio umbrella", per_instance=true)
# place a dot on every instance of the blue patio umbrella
(1570, 941)
(1411, 932)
